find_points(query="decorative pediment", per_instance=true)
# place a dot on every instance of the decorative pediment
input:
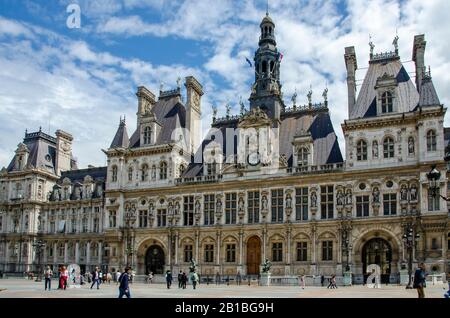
(254, 118)
(22, 148)
(386, 80)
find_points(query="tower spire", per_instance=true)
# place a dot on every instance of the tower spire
(267, 8)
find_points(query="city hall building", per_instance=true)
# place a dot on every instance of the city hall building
(268, 183)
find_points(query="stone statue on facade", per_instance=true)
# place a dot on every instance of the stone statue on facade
(294, 99)
(264, 203)
(313, 199)
(309, 95)
(375, 149)
(395, 43)
(403, 193)
(376, 195)
(197, 206)
(228, 110)
(179, 82)
(325, 95)
(266, 266)
(241, 204)
(372, 47)
(411, 145)
(413, 193)
(288, 201)
(348, 197)
(340, 198)
(219, 205)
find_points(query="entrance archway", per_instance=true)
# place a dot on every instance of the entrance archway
(253, 255)
(377, 251)
(154, 260)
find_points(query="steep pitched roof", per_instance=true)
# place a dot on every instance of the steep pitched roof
(121, 137)
(428, 95)
(407, 95)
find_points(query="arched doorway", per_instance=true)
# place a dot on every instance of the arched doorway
(377, 251)
(253, 255)
(154, 260)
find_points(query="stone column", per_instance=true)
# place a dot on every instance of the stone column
(241, 246)
(264, 235)
(169, 247)
(177, 242)
(218, 248)
(99, 253)
(339, 247)
(197, 245)
(288, 247)
(88, 254)
(65, 252)
(77, 252)
(55, 253)
(5, 269)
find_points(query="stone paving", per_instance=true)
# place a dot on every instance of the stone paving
(22, 288)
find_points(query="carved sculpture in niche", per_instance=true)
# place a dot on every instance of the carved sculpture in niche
(313, 199)
(197, 206)
(241, 205)
(219, 205)
(413, 193)
(177, 208)
(288, 201)
(403, 193)
(340, 197)
(376, 195)
(410, 145)
(264, 202)
(348, 197)
(170, 208)
(375, 149)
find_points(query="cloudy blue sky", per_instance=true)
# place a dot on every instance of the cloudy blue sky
(82, 80)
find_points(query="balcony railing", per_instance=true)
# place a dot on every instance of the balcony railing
(332, 167)
(199, 179)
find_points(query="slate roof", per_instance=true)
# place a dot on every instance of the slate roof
(98, 174)
(121, 137)
(428, 95)
(407, 97)
(42, 152)
(316, 122)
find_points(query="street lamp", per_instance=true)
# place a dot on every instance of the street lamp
(130, 218)
(346, 248)
(38, 245)
(410, 240)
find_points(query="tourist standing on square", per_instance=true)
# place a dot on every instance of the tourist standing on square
(64, 277)
(96, 276)
(238, 278)
(180, 279)
(302, 281)
(48, 278)
(217, 278)
(169, 279)
(322, 280)
(124, 288)
(184, 280)
(194, 279)
(420, 280)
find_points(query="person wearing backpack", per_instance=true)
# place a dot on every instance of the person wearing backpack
(124, 288)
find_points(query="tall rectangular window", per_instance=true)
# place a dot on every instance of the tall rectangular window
(209, 253)
(161, 217)
(327, 250)
(302, 251)
(112, 219)
(277, 252)
(253, 206)
(433, 201)
(390, 204)
(52, 227)
(362, 205)
(143, 218)
(277, 205)
(188, 253)
(326, 202)
(301, 204)
(188, 210)
(96, 225)
(84, 225)
(208, 209)
(230, 253)
(230, 208)
(1, 223)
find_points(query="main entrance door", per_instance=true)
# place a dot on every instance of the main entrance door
(253, 255)
(377, 251)
(154, 260)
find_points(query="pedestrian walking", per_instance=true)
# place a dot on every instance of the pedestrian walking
(184, 280)
(217, 278)
(302, 281)
(420, 280)
(150, 278)
(180, 279)
(322, 279)
(194, 279)
(124, 288)
(169, 278)
(64, 277)
(117, 277)
(238, 278)
(48, 278)
(96, 276)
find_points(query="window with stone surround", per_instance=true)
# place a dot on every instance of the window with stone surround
(327, 250)
(112, 219)
(361, 150)
(386, 102)
(144, 172)
(230, 208)
(433, 200)
(302, 251)
(209, 253)
(277, 205)
(302, 157)
(326, 202)
(388, 148)
(230, 253)
(188, 210)
(301, 204)
(208, 208)
(143, 218)
(188, 254)
(96, 228)
(163, 170)
(390, 204)
(130, 174)
(114, 174)
(362, 205)
(431, 140)
(253, 206)
(161, 217)
(277, 252)
(147, 135)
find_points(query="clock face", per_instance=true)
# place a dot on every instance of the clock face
(253, 159)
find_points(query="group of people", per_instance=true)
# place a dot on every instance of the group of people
(182, 279)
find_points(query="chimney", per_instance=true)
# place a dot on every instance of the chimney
(352, 66)
(193, 117)
(63, 151)
(419, 58)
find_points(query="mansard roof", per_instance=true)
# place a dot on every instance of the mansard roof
(170, 114)
(121, 137)
(428, 95)
(42, 152)
(407, 95)
(98, 174)
(316, 122)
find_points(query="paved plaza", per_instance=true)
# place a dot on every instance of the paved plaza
(22, 288)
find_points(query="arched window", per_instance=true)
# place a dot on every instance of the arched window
(114, 174)
(144, 173)
(386, 102)
(361, 150)
(302, 157)
(265, 30)
(130, 174)
(388, 147)
(163, 170)
(272, 65)
(264, 67)
(182, 169)
(270, 30)
(147, 135)
(431, 140)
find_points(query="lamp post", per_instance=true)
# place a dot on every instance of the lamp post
(130, 218)
(38, 245)
(410, 240)
(346, 248)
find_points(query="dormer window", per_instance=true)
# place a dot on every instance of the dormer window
(211, 168)
(361, 150)
(388, 147)
(182, 169)
(144, 175)
(20, 162)
(302, 157)
(114, 174)
(130, 174)
(431, 140)
(386, 103)
(147, 135)
(163, 170)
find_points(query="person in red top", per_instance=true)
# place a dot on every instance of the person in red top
(63, 277)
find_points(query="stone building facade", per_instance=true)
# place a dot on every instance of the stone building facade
(268, 183)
